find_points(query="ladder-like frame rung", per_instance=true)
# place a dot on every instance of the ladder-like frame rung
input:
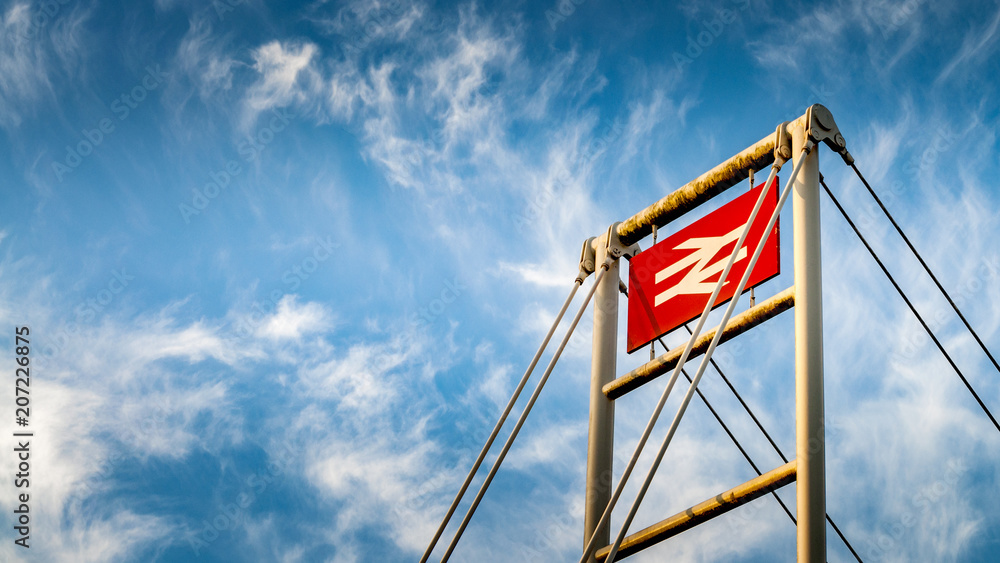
(735, 327)
(703, 512)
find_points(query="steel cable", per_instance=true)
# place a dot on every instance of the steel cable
(927, 269)
(913, 309)
(527, 409)
(774, 445)
(503, 418)
(733, 437)
(722, 423)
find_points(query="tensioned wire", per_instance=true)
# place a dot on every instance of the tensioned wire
(913, 309)
(774, 445)
(721, 422)
(527, 409)
(503, 418)
(927, 268)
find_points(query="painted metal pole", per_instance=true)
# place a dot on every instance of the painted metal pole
(809, 432)
(600, 443)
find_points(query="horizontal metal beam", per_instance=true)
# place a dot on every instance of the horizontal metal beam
(705, 511)
(736, 326)
(703, 188)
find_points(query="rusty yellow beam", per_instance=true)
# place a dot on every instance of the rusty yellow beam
(703, 512)
(703, 188)
(666, 362)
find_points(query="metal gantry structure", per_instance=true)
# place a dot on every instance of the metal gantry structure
(797, 141)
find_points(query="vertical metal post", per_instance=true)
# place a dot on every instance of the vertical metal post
(602, 410)
(809, 432)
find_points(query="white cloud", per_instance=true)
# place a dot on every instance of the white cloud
(286, 77)
(99, 413)
(292, 321)
(555, 447)
(547, 274)
(201, 54)
(363, 378)
(973, 46)
(370, 453)
(24, 66)
(38, 46)
(92, 538)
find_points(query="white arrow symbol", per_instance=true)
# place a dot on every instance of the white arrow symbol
(694, 281)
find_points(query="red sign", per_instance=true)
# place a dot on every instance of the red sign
(670, 283)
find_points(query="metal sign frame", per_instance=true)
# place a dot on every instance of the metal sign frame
(815, 127)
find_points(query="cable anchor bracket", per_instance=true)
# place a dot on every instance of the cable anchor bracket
(820, 127)
(614, 247)
(782, 145)
(588, 260)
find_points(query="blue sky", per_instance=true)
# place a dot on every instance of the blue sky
(283, 265)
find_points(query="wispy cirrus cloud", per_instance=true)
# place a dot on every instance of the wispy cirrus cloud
(105, 400)
(202, 54)
(38, 48)
(24, 67)
(974, 46)
(285, 77)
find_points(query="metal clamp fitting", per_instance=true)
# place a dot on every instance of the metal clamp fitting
(588, 260)
(820, 127)
(614, 247)
(782, 145)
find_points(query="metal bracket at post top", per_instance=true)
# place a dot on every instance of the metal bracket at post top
(782, 145)
(820, 126)
(614, 246)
